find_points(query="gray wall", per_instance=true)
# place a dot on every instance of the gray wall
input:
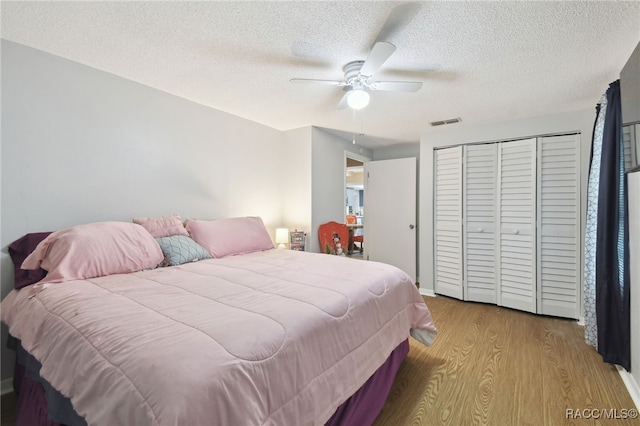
(394, 152)
(80, 145)
(328, 170)
(630, 91)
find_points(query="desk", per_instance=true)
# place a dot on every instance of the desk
(352, 227)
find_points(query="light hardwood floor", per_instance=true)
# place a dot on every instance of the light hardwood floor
(496, 366)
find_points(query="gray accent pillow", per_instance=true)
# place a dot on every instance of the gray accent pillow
(179, 249)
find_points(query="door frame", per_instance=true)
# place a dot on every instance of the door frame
(353, 156)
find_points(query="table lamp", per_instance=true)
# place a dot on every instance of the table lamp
(282, 237)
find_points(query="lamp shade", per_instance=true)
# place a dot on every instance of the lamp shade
(282, 237)
(358, 99)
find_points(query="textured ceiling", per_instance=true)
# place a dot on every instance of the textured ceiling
(480, 61)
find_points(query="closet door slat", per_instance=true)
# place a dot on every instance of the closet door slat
(447, 201)
(516, 284)
(480, 249)
(559, 273)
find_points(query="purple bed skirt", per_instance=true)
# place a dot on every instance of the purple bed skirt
(39, 403)
(363, 407)
(32, 402)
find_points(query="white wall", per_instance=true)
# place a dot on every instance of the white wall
(634, 258)
(296, 180)
(328, 179)
(81, 145)
(578, 121)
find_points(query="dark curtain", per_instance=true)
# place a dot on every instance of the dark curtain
(612, 248)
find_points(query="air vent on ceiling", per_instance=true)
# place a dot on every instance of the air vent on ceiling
(443, 122)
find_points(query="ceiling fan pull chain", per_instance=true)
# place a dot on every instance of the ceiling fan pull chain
(353, 123)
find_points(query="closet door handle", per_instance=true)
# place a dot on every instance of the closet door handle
(480, 230)
(515, 231)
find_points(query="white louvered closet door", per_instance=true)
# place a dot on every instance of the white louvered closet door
(517, 212)
(559, 273)
(448, 221)
(480, 175)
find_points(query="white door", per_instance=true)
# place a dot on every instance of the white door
(480, 257)
(447, 201)
(517, 242)
(390, 213)
(559, 272)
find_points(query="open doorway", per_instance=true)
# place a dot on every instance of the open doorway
(354, 202)
(354, 184)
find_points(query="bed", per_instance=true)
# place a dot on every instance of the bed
(245, 334)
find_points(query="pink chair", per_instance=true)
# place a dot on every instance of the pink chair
(326, 237)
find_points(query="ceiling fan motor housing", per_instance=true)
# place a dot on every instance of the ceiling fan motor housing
(352, 72)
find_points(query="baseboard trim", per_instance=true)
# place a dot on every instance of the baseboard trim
(426, 292)
(631, 384)
(6, 386)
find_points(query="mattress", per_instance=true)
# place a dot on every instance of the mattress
(271, 337)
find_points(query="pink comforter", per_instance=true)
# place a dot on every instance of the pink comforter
(276, 337)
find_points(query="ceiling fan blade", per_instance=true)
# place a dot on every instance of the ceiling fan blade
(398, 19)
(397, 86)
(342, 104)
(312, 80)
(379, 54)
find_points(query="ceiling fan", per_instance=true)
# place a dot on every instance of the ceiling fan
(359, 75)
(358, 78)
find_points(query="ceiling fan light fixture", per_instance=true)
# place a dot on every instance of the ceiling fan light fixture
(358, 99)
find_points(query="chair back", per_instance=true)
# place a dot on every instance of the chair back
(326, 233)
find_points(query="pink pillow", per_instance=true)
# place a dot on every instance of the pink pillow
(230, 236)
(95, 250)
(164, 226)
